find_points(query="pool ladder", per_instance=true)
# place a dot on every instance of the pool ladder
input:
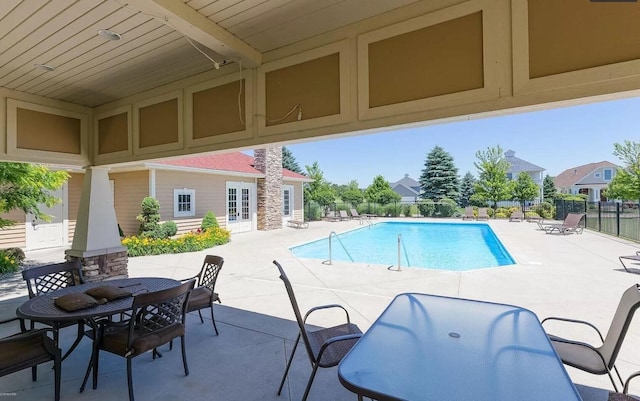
(403, 248)
(329, 261)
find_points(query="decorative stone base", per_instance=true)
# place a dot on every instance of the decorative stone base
(105, 266)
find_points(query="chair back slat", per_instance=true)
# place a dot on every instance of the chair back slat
(47, 278)
(627, 307)
(210, 270)
(296, 311)
(157, 310)
(573, 219)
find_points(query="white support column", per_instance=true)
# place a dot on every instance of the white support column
(96, 241)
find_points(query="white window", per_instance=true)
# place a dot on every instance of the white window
(184, 202)
(287, 201)
(607, 174)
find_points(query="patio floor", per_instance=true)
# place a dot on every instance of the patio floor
(575, 276)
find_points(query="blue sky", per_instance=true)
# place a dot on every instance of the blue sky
(553, 139)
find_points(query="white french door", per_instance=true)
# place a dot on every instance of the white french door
(287, 202)
(241, 206)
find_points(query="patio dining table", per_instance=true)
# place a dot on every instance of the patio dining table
(43, 308)
(427, 347)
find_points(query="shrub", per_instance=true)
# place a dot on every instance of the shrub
(446, 207)
(209, 221)
(8, 261)
(501, 214)
(312, 212)
(169, 229)
(150, 216)
(190, 242)
(406, 210)
(426, 207)
(392, 210)
(545, 210)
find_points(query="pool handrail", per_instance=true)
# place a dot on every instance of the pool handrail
(400, 245)
(343, 247)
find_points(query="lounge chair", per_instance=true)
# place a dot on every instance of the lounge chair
(601, 359)
(468, 213)
(355, 214)
(325, 346)
(297, 224)
(635, 258)
(482, 214)
(571, 224)
(343, 215)
(517, 216)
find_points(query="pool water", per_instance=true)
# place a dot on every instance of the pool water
(444, 246)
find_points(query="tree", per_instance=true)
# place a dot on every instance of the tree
(439, 177)
(26, 187)
(548, 188)
(524, 189)
(289, 161)
(493, 184)
(466, 189)
(625, 185)
(380, 191)
(352, 194)
(319, 190)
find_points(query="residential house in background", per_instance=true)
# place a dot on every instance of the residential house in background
(517, 166)
(589, 179)
(407, 188)
(226, 184)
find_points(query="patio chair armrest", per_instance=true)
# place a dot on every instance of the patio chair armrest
(182, 280)
(321, 307)
(562, 319)
(582, 344)
(333, 340)
(626, 382)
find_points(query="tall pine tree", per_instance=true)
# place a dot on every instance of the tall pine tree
(548, 188)
(467, 189)
(439, 177)
(289, 161)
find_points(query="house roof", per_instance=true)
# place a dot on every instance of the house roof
(517, 164)
(412, 187)
(571, 176)
(235, 162)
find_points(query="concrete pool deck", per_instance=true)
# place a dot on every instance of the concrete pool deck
(576, 276)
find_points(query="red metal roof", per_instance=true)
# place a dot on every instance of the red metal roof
(237, 162)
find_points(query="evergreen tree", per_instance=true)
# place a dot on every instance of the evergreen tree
(548, 188)
(625, 185)
(493, 184)
(289, 161)
(467, 189)
(439, 177)
(27, 187)
(524, 189)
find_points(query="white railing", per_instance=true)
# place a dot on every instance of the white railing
(330, 260)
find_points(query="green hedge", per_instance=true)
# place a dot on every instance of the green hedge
(190, 242)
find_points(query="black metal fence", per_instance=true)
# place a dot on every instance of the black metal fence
(614, 218)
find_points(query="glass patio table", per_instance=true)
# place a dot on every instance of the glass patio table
(427, 347)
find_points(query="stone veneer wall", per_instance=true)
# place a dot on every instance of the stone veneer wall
(269, 161)
(101, 267)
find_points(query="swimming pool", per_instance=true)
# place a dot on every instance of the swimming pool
(444, 246)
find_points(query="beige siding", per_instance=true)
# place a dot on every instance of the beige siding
(130, 189)
(298, 211)
(210, 193)
(74, 191)
(13, 236)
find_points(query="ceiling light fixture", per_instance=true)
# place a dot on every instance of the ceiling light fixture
(44, 67)
(109, 34)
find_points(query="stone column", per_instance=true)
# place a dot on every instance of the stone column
(269, 161)
(96, 241)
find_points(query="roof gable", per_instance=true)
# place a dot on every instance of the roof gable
(571, 176)
(517, 164)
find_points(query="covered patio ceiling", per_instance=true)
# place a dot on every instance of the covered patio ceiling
(193, 76)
